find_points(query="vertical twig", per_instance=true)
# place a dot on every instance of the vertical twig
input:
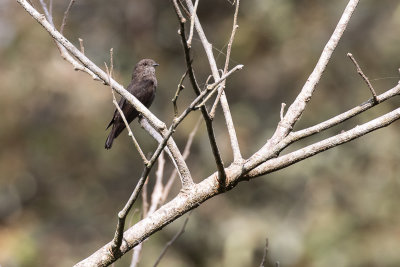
(178, 90)
(177, 235)
(228, 56)
(157, 193)
(186, 153)
(264, 258)
(81, 45)
(64, 21)
(189, 41)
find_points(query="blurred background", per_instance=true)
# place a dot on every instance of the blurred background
(60, 190)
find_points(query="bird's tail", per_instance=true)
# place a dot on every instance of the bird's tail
(110, 139)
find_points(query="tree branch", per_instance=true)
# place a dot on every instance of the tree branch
(227, 59)
(297, 107)
(237, 157)
(210, 130)
(311, 150)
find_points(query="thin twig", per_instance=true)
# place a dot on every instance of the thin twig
(149, 209)
(264, 258)
(185, 154)
(157, 193)
(189, 41)
(63, 51)
(64, 21)
(365, 78)
(81, 45)
(136, 255)
(48, 14)
(181, 5)
(177, 235)
(227, 58)
(145, 201)
(217, 85)
(119, 232)
(51, 8)
(178, 90)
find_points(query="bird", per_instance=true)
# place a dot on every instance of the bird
(143, 86)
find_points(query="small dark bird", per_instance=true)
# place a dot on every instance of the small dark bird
(143, 87)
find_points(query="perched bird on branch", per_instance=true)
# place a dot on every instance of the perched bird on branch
(143, 87)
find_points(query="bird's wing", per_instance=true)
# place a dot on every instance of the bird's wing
(121, 104)
(145, 91)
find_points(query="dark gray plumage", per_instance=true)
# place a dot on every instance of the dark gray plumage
(143, 87)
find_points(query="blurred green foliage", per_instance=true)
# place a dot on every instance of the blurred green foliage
(60, 190)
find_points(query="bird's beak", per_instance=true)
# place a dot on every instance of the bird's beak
(155, 64)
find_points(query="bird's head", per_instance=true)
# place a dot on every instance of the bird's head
(145, 67)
